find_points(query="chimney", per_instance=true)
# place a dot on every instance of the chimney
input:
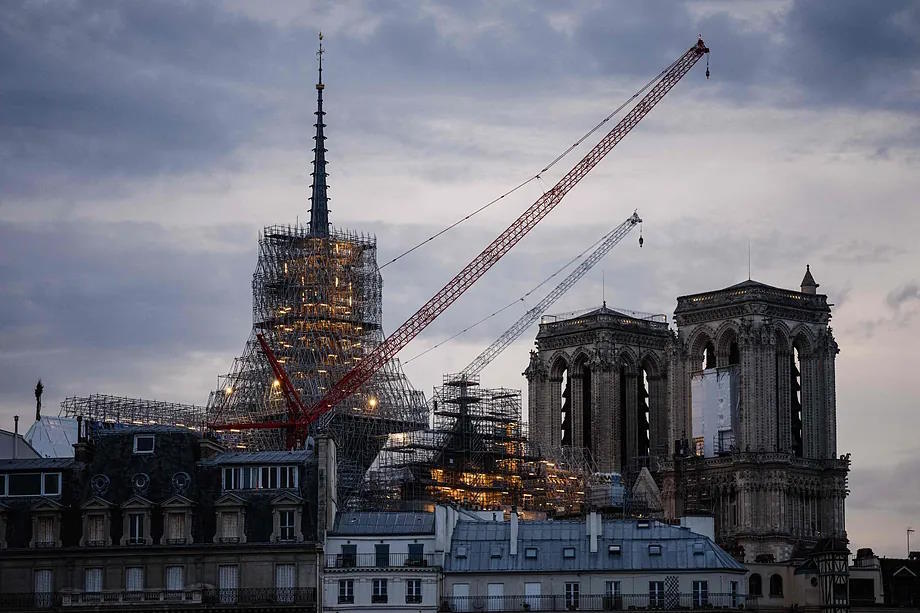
(82, 449)
(15, 434)
(593, 529)
(514, 532)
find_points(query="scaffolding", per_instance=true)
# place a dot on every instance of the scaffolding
(317, 299)
(476, 455)
(105, 409)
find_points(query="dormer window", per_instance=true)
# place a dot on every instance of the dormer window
(95, 530)
(144, 443)
(461, 551)
(175, 528)
(654, 550)
(230, 527)
(698, 549)
(136, 533)
(643, 524)
(568, 552)
(530, 552)
(46, 533)
(614, 550)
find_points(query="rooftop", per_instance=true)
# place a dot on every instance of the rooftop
(36, 464)
(373, 523)
(564, 546)
(298, 456)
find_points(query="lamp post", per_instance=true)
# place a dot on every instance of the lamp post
(830, 556)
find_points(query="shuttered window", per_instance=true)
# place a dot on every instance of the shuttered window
(228, 582)
(284, 582)
(134, 579)
(175, 578)
(44, 586)
(92, 580)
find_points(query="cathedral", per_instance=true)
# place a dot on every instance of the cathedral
(733, 413)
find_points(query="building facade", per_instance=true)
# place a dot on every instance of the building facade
(733, 413)
(386, 560)
(587, 564)
(159, 518)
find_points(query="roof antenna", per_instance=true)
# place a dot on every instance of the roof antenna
(604, 289)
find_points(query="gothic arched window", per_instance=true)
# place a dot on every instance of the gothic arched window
(776, 585)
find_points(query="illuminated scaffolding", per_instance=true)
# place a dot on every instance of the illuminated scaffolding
(102, 408)
(317, 300)
(475, 455)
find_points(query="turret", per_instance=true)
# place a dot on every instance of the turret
(808, 282)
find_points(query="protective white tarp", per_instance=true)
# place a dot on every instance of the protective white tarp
(714, 406)
(53, 437)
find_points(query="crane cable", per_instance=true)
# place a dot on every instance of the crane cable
(535, 177)
(515, 301)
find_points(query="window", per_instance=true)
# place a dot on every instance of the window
(287, 477)
(614, 550)
(613, 598)
(286, 525)
(284, 582)
(700, 593)
(134, 579)
(379, 590)
(530, 552)
(699, 549)
(44, 588)
(136, 529)
(416, 554)
(346, 591)
(460, 597)
(755, 585)
(654, 550)
(532, 592)
(143, 443)
(734, 593)
(2, 485)
(95, 528)
(230, 527)
(461, 551)
(495, 550)
(656, 594)
(381, 555)
(92, 580)
(496, 596)
(52, 484)
(643, 524)
(571, 595)
(175, 582)
(45, 537)
(776, 585)
(231, 478)
(413, 591)
(25, 484)
(349, 555)
(568, 552)
(175, 528)
(228, 581)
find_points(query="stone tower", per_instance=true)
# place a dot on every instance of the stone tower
(752, 422)
(600, 381)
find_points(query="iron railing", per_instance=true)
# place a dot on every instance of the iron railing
(594, 602)
(267, 596)
(373, 560)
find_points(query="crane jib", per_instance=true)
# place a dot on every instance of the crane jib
(372, 362)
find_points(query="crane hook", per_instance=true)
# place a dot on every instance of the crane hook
(707, 66)
(641, 240)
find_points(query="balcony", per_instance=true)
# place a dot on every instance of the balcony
(393, 560)
(594, 602)
(165, 600)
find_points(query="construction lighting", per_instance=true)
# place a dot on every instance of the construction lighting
(228, 390)
(372, 402)
(276, 383)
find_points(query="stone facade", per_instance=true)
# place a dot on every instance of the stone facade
(779, 485)
(600, 381)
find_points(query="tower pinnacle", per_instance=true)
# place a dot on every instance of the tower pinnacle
(319, 201)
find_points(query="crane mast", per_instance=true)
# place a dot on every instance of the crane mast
(472, 272)
(521, 325)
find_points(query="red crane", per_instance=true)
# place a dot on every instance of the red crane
(298, 424)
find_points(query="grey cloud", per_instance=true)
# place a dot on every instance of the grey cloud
(902, 295)
(892, 488)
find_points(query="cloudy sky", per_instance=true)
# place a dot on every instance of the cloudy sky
(143, 146)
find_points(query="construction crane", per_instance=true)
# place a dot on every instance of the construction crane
(521, 325)
(296, 408)
(297, 426)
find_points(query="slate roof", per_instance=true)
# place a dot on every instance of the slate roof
(487, 547)
(259, 457)
(372, 523)
(53, 437)
(36, 464)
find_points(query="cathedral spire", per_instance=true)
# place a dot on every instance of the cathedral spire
(319, 201)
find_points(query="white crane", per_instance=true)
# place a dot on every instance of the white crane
(528, 318)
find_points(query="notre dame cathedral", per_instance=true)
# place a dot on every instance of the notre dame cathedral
(733, 413)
